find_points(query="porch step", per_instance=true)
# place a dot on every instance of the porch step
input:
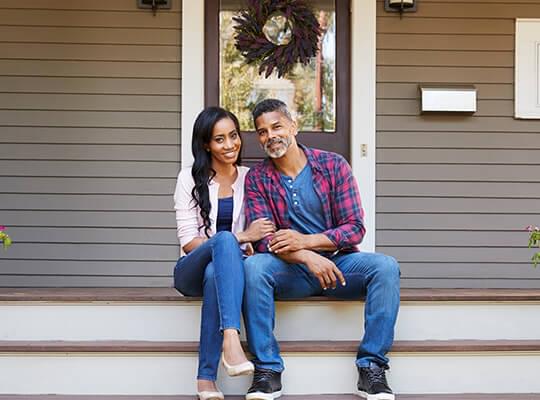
(162, 314)
(312, 367)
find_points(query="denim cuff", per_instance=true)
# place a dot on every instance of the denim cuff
(207, 378)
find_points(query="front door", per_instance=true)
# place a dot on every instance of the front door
(318, 93)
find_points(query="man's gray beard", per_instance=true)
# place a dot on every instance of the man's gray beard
(282, 150)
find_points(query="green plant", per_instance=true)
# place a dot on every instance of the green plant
(534, 241)
(4, 238)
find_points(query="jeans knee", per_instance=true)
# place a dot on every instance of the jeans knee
(209, 273)
(226, 237)
(388, 269)
(256, 270)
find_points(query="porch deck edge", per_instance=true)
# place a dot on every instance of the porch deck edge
(309, 346)
(165, 294)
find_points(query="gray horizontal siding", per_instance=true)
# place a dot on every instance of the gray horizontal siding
(496, 190)
(89, 152)
(88, 169)
(69, 135)
(106, 280)
(128, 84)
(76, 67)
(89, 142)
(454, 192)
(106, 202)
(69, 185)
(122, 235)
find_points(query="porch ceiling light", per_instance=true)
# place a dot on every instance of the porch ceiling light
(154, 4)
(400, 6)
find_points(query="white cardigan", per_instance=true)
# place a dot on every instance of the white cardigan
(188, 217)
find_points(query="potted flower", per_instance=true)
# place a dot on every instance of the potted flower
(4, 237)
(534, 241)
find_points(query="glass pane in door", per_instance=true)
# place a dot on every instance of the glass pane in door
(309, 90)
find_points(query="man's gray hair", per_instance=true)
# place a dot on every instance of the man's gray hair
(270, 105)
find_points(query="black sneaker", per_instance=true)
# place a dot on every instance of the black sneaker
(266, 385)
(372, 383)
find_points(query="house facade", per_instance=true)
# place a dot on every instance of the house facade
(97, 99)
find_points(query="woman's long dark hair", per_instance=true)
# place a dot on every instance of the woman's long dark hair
(202, 171)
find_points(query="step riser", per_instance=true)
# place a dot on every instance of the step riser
(295, 321)
(305, 374)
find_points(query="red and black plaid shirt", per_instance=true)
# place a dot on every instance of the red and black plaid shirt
(335, 186)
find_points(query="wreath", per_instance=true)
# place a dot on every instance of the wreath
(277, 34)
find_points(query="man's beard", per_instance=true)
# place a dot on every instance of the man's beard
(280, 150)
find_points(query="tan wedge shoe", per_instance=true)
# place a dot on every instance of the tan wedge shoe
(206, 395)
(246, 368)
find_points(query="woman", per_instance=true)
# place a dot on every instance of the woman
(210, 218)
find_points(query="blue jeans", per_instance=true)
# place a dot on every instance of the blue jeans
(214, 270)
(372, 276)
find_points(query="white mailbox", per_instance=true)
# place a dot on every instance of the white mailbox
(448, 99)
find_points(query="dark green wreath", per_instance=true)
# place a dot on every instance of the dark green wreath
(256, 48)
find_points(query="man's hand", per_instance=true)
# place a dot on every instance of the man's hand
(287, 240)
(325, 270)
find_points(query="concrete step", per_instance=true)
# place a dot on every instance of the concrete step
(161, 314)
(168, 368)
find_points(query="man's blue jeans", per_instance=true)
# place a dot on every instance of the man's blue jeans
(214, 270)
(372, 276)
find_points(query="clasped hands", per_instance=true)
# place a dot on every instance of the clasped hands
(287, 241)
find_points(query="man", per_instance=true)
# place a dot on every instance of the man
(312, 197)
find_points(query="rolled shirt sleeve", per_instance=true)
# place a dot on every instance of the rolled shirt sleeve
(257, 206)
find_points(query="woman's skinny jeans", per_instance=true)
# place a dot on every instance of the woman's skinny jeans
(214, 270)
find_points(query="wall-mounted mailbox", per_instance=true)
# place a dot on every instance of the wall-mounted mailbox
(448, 99)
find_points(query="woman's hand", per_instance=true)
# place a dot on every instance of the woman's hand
(249, 250)
(256, 230)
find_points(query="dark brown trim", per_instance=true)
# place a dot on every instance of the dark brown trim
(491, 396)
(170, 294)
(311, 346)
(211, 53)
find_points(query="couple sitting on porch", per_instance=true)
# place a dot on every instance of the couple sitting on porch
(287, 228)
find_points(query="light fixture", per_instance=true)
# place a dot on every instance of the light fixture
(400, 6)
(154, 4)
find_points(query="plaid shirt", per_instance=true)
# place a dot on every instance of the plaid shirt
(335, 186)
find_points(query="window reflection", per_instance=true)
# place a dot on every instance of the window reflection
(309, 90)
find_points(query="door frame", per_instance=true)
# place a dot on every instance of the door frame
(363, 95)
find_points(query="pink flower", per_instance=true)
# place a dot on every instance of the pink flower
(2, 228)
(531, 228)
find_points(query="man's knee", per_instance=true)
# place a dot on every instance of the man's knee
(388, 268)
(257, 268)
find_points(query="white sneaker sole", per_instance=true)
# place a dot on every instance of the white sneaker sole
(378, 396)
(263, 396)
